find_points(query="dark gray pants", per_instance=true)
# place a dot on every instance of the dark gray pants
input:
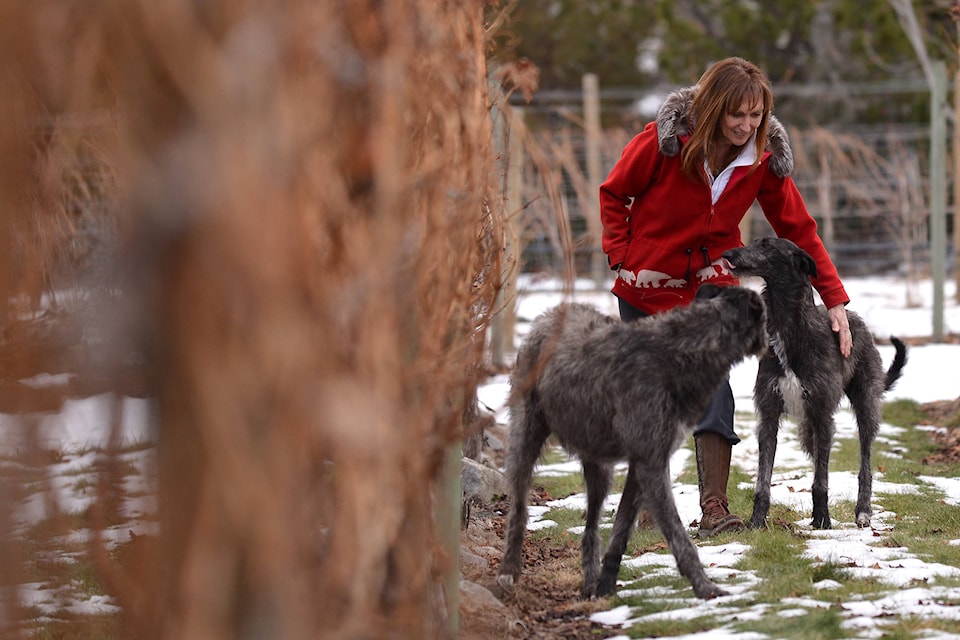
(719, 415)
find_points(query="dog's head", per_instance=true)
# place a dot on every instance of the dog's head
(771, 259)
(743, 310)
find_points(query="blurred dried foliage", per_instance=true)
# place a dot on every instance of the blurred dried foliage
(867, 192)
(311, 229)
(879, 189)
(521, 75)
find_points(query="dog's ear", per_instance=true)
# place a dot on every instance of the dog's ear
(757, 310)
(707, 291)
(751, 307)
(806, 264)
(745, 312)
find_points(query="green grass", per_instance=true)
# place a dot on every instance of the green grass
(926, 536)
(46, 551)
(845, 455)
(553, 454)
(924, 525)
(565, 519)
(910, 627)
(774, 557)
(560, 486)
(665, 628)
(903, 413)
(816, 624)
(84, 577)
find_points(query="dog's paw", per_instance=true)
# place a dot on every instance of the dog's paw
(863, 520)
(757, 523)
(506, 581)
(709, 591)
(606, 586)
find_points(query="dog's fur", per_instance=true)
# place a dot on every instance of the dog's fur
(805, 374)
(613, 391)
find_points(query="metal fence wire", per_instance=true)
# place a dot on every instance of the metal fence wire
(866, 185)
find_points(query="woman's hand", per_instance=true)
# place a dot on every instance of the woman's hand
(839, 324)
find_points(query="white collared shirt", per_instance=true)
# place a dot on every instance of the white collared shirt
(747, 155)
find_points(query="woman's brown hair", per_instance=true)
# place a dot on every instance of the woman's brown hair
(722, 90)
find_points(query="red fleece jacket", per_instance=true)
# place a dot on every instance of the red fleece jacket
(662, 228)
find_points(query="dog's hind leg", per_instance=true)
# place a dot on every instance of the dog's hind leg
(597, 478)
(527, 436)
(623, 524)
(769, 403)
(865, 491)
(659, 501)
(821, 431)
(867, 409)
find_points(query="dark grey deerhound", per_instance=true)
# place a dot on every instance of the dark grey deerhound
(805, 375)
(612, 391)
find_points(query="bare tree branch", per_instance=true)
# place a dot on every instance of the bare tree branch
(911, 28)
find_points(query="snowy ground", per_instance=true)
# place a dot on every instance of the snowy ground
(80, 431)
(930, 375)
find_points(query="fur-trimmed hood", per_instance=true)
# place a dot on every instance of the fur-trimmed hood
(673, 122)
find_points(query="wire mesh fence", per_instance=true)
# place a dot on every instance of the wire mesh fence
(866, 185)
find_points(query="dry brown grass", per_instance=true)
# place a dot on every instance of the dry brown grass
(311, 252)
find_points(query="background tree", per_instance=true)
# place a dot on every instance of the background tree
(568, 38)
(814, 46)
(775, 35)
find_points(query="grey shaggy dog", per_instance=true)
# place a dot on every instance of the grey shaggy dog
(805, 375)
(613, 391)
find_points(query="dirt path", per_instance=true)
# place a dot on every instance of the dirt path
(545, 603)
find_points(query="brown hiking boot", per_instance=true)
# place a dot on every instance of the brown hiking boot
(713, 471)
(717, 518)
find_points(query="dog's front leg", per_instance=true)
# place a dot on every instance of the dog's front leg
(767, 439)
(767, 430)
(662, 506)
(769, 408)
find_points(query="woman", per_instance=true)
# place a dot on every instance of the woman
(672, 205)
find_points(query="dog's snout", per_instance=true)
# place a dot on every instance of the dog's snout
(731, 258)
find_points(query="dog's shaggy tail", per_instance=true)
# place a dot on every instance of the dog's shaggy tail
(896, 367)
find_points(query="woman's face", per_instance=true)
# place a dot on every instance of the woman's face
(737, 127)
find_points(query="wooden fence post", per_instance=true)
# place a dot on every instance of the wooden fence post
(510, 149)
(591, 122)
(824, 193)
(938, 191)
(956, 178)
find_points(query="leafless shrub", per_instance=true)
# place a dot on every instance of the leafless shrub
(311, 253)
(854, 186)
(882, 190)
